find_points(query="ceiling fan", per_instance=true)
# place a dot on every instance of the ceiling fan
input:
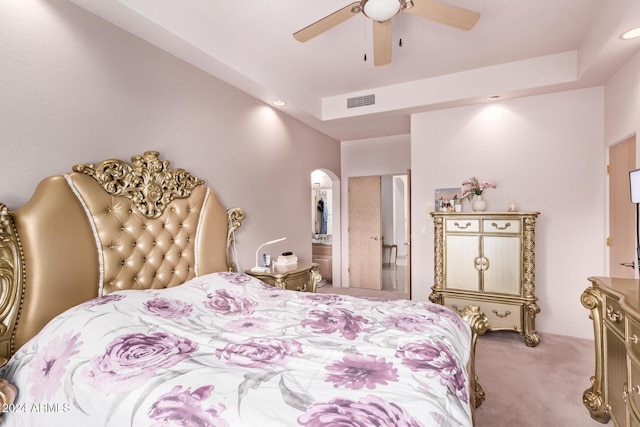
(381, 12)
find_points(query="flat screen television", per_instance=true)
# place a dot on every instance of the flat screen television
(634, 181)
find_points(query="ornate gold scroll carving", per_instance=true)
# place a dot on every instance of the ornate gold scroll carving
(147, 181)
(438, 247)
(593, 397)
(479, 325)
(12, 280)
(235, 216)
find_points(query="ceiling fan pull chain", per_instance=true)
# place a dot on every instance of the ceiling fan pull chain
(364, 37)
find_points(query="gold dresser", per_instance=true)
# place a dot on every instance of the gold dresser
(299, 277)
(488, 259)
(615, 388)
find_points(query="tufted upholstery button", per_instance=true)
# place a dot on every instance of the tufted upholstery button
(160, 250)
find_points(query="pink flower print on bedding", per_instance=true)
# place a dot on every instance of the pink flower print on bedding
(340, 320)
(49, 366)
(367, 411)
(187, 408)
(228, 303)
(261, 353)
(356, 371)
(131, 359)
(168, 308)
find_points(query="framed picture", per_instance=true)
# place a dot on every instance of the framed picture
(448, 199)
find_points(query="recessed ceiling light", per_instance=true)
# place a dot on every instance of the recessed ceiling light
(493, 98)
(279, 103)
(631, 34)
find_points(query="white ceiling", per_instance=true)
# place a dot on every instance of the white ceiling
(518, 48)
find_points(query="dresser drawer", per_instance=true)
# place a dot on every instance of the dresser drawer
(501, 316)
(614, 315)
(501, 226)
(631, 394)
(632, 339)
(462, 225)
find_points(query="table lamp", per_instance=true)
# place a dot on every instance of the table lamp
(258, 268)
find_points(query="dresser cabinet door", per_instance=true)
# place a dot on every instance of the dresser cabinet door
(460, 257)
(503, 273)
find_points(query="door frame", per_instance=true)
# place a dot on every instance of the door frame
(618, 199)
(408, 243)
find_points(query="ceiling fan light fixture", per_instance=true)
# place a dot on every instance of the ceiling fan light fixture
(380, 10)
(631, 34)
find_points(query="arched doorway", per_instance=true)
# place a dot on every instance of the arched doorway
(325, 225)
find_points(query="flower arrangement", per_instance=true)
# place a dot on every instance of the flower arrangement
(474, 187)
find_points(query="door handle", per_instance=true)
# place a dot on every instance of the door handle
(628, 264)
(375, 238)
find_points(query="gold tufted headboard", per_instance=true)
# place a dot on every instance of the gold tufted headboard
(104, 228)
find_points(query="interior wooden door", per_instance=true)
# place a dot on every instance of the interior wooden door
(365, 229)
(622, 222)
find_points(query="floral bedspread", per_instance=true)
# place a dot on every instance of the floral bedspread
(227, 350)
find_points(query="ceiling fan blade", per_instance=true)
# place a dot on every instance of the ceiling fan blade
(445, 14)
(328, 22)
(382, 42)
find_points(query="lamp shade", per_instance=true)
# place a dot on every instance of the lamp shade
(381, 10)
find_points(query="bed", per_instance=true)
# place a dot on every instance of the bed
(120, 305)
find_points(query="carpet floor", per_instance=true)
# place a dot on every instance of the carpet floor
(534, 386)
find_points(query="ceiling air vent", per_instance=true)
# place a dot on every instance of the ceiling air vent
(361, 101)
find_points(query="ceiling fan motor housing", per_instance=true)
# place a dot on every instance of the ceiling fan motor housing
(381, 10)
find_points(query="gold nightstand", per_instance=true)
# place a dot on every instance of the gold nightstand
(300, 277)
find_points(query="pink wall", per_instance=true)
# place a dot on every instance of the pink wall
(544, 151)
(76, 89)
(622, 103)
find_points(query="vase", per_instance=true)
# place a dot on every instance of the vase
(479, 204)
